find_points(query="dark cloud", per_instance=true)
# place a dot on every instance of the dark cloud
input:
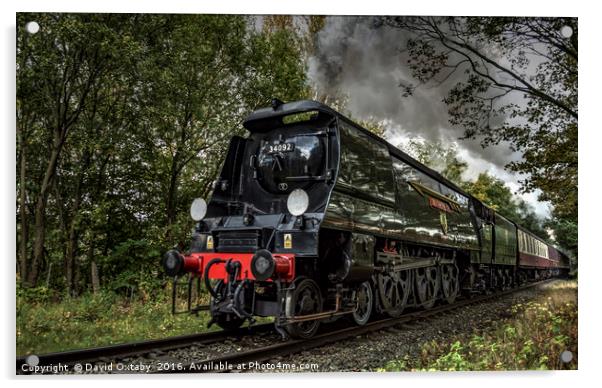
(365, 61)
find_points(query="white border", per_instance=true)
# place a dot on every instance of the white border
(589, 197)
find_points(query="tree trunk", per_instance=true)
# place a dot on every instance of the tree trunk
(172, 193)
(93, 268)
(77, 276)
(95, 278)
(40, 211)
(70, 261)
(40, 236)
(48, 276)
(73, 238)
(23, 211)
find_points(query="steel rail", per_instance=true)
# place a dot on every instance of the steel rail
(142, 347)
(231, 360)
(125, 350)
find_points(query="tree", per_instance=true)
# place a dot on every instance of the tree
(511, 79)
(57, 70)
(122, 121)
(437, 156)
(565, 234)
(494, 193)
(201, 75)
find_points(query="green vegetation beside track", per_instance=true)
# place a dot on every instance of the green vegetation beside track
(91, 320)
(533, 336)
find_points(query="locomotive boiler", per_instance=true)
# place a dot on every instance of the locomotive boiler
(313, 217)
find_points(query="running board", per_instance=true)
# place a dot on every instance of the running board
(402, 263)
(406, 266)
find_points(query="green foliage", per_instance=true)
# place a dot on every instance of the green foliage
(532, 338)
(376, 127)
(134, 267)
(299, 117)
(39, 294)
(441, 158)
(566, 233)
(494, 193)
(96, 320)
(123, 121)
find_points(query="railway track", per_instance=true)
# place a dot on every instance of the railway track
(221, 363)
(229, 362)
(131, 349)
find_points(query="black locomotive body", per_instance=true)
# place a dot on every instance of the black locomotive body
(314, 217)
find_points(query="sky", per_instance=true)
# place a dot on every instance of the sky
(366, 62)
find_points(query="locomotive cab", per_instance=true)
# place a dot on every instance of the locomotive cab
(256, 244)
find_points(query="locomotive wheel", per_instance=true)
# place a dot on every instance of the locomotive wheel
(500, 279)
(505, 279)
(450, 284)
(510, 278)
(394, 289)
(427, 286)
(304, 299)
(365, 301)
(227, 321)
(496, 281)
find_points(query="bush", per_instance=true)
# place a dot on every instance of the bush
(35, 295)
(533, 338)
(99, 319)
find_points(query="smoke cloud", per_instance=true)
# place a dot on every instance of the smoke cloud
(365, 61)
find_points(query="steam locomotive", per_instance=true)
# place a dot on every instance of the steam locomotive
(313, 218)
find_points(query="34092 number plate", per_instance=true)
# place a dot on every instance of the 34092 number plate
(283, 147)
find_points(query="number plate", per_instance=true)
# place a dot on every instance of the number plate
(283, 147)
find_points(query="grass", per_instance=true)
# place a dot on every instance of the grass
(98, 319)
(532, 338)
